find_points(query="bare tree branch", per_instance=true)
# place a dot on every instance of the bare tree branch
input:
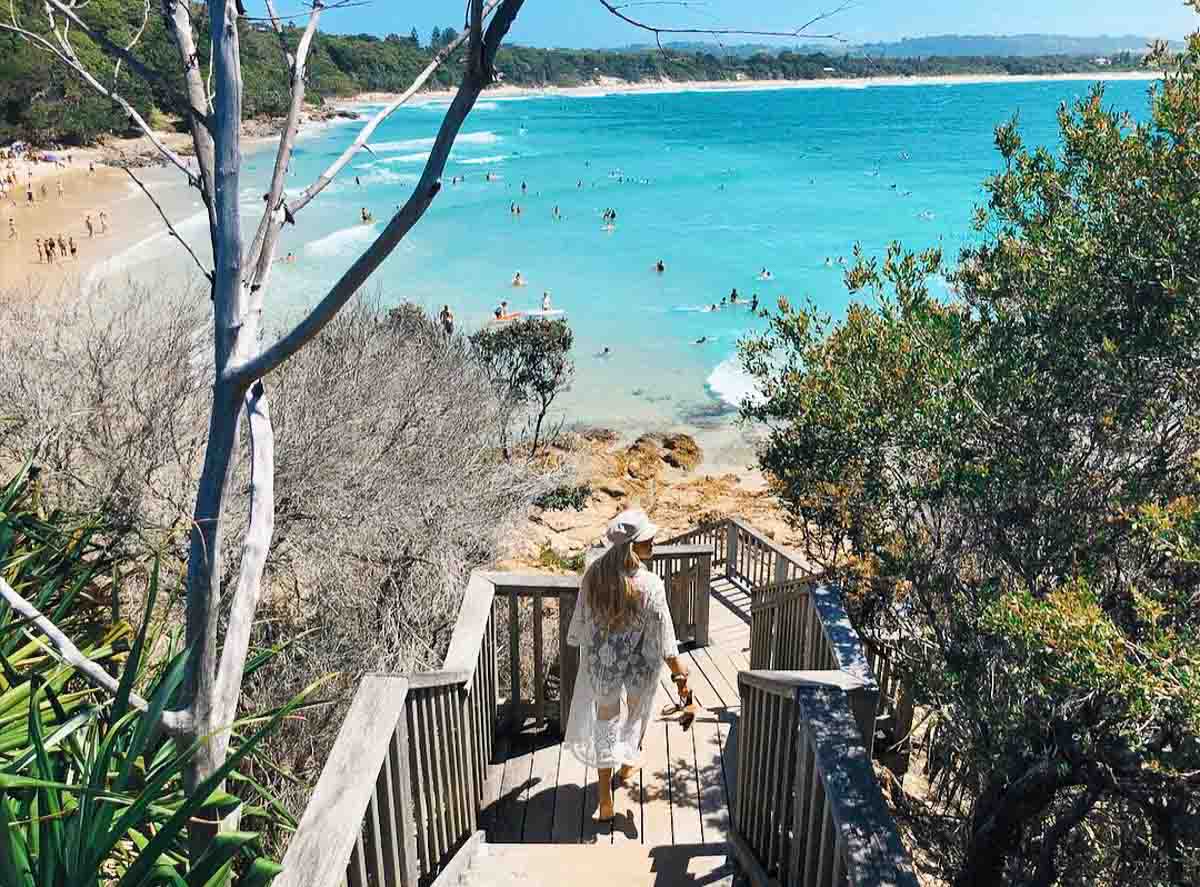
(255, 545)
(262, 249)
(172, 723)
(658, 31)
(326, 177)
(170, 228)
(412, 211)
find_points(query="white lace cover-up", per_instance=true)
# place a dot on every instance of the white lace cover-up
(618, 673)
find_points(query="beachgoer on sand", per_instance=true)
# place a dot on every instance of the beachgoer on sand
(12, 229)
(87, 220)
(446, 316)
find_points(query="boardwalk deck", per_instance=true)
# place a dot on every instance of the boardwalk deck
(680, 797)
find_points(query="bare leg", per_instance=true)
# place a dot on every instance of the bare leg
(606, 713)
(604, 774)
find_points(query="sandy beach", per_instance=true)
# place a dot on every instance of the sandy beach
(608, 85)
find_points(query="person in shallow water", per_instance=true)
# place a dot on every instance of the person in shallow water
(624, 633)
(546, 301)
(659, 266)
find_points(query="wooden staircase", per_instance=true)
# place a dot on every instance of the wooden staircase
(458, 776)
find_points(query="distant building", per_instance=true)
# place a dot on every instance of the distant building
(1101, 61)
(830, 70)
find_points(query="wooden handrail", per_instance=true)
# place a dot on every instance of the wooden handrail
(808, 808)
(366, 777)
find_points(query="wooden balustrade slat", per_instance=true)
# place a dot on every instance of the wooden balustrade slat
(773, 786)
(816, 824)
(825, 869)
(703, 598)
(539, 687)
(373, 840)
(406, 821)
(422, 809)
(433, 785)
(805, 774)
(356, 872)
(443, 749)
(388, 818)
(762, 748)
(514, 660)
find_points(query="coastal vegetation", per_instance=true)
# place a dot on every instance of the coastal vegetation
(43, 102)
(1004, 481)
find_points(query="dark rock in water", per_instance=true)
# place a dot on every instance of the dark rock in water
(711, 414)
(347, 114)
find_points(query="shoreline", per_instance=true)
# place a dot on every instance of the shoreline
(612, 86)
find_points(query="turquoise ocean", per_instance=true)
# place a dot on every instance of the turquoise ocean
(718, 185)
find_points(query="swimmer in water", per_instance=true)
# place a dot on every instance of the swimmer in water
(659, 266)
(518, 280)
(764, 274)
(828, 261)
(607, 352)
(357, 182)
(701, 340)
(366, 216)
(546, 301)
(754, 303)
(733, 295)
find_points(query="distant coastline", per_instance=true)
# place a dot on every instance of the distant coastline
(611, 86)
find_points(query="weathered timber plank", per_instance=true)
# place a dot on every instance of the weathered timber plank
(569, 799)
(331, 824)
(539, 796)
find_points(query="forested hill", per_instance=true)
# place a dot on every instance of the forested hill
(42, 102)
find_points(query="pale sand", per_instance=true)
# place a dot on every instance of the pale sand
(83, 194)
(608, 85)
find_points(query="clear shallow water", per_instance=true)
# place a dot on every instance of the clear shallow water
(717, 185)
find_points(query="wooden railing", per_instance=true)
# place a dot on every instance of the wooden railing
(401, 790)
(808, 809)
(686, 571)
(812, 705)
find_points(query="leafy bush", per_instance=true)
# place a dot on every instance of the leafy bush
(528, 363)
(90, 789)
(1007, 478)
(574, 496)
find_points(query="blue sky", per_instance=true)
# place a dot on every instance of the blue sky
(579, 23)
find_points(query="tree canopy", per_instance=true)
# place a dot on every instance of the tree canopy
(1005, 481)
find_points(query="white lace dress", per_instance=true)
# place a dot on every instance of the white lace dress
(618, 674)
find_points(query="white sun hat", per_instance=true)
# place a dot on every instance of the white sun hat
(630, 526)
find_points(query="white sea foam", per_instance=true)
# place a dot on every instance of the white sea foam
(486, 106)
(491, 158)
(341, 242)
(731, 383)
(466, 138)
(416, 157)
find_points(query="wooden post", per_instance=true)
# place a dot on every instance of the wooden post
(703, 574)
(731, 548)
(539, 685)
(782, 563)
(568, 658)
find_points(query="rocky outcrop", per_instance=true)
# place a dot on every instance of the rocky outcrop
(663, 474)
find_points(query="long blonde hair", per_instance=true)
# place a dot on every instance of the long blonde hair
(608, 586)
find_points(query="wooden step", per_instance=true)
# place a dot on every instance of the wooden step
(580, 865)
